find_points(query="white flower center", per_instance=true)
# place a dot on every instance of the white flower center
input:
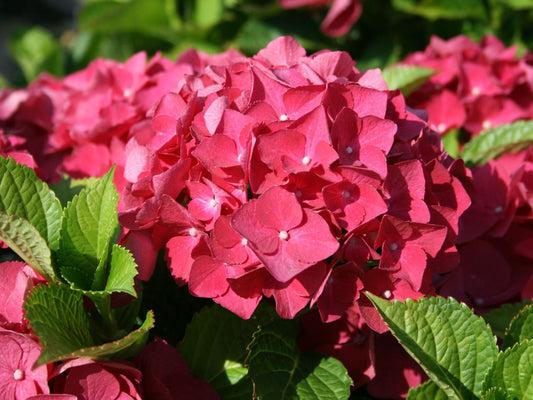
(127, 92)
(479, 301)
(345, 193)
(441, 128)
(244, 241)
(18, 374)
(306, 160)
(283, 117)
(486, 125)
(475, 91)
(348, 150)
(298, 193)
(213, 203)
(387, 294)
(393, 246)
(193, 232)
(498, 210)
(284, 235)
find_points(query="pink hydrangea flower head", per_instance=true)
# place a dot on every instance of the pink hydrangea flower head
(18, 379)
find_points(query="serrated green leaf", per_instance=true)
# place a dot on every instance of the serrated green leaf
(122, 270)
(496, 394)
(25, 240)
(499, 319)
(446, 9)
(57, 316)
(513, 371)
(427, 390)
(36, 50)
(126, 347)
(89, 226)
(453, 346)
(495, 142)
(77, 278)
(521, 328)
(280, 371)
(66, 188)
(24, 195)
(406, 77)
(214, 347)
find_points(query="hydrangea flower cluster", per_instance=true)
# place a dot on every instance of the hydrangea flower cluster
(341, 16)
(477, 86)
(283, 175)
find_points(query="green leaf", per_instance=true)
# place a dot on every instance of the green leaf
(496, 394)
(499, 319)
(126, 347)
(280, 371)
(427, 390)
(447, 9)
(122, 270)
(25, 240)
(144, 16)
(495, 142)
(89, 226)
(513, 371)
(57, 316)
(23, 194)
(36, 51)
(451, 142)
(454, 346)
(517, 4)
(406, 77)
(214, 347)
(208, 12)
(521, 328)
(66, 188)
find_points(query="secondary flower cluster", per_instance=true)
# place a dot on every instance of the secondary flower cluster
(282, 175)
(476, 87)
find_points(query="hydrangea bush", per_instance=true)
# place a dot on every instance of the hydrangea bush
(280, 179)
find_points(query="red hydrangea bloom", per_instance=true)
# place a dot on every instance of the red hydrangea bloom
(18, 379)
(91, 380)
(475, 87)
(17, 280)
(495, 236)
(165, 375)
(341, 16)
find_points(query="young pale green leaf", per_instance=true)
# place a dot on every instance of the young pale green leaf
(495, 142)
(122, 270)
(513, 371)
(427, 390)
(36, 50)
(57, 316)
(25, 240)
(447, 9)
(90, 226)
(453, 346)
(127, 347)
(23, 194)
(208, 12)
(521, 328)
(406, 77)
(214, 347)
(496, 394)
(280, 371)
(517, 4)
(66, 188)
(451, 142)
(499, 319)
